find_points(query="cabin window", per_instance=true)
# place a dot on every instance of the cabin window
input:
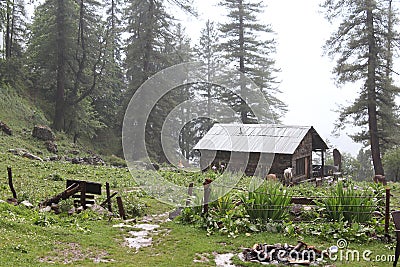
(301, 166)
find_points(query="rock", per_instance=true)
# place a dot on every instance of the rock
(43, 132)
(88, 161)
(24, 153)
(71, 211)
(173, 214)
(12, 201)
(54, 158)
(79, 209)
(97, 160)
(27, 204)
(51, 146)
(296, 209)
(45, 209)
(4, 127)
(31, 156)
(56, 208)
(76, 160)
(18, 151)
(99, 210)
(74, 152)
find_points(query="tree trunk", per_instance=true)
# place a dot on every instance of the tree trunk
(11, 40)
(243, 112)
(149, 41)
(389, 43)
(371, 94)
(8, 30)
(59, 115)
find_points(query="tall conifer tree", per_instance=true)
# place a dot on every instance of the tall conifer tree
(244, 45)
(363, 52)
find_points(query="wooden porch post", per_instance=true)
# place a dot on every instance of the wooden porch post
(322, 163)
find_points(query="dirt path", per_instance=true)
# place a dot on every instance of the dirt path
(142, 231)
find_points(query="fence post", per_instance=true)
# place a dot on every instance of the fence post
(387, 211)
(83, 194)
(10, 182)
(121, 208)
(190, 193)
(108, 197)
(207, 191)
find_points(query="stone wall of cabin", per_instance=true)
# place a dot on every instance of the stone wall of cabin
(236, 161)
(280, 163)
(304, 150)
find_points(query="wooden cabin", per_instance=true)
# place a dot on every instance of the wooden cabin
(259, 149)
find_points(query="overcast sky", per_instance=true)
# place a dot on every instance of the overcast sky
(307, 86)
(307, 83)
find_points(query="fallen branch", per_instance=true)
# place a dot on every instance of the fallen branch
(72, 189)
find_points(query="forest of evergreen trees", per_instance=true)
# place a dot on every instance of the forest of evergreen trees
(84, 59)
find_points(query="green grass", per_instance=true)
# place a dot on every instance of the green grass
(27, 236)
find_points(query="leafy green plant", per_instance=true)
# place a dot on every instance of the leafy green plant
(348, 204)
(55, 177)
(225, 204)
(44, 219)
(331, 231)
(133, 205)
(269, 202)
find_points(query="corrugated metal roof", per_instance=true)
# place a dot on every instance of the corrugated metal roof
(264, 138)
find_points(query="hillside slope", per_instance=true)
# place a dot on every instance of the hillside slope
(21, 112)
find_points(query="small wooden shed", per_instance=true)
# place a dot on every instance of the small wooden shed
(271, 147)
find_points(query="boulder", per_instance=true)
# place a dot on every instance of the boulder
(173, 214)
(51, 146)
(76, 161)
(18, 151)
(27, 204)
(74, 152)
(12, 201)
(4, 127)
(54, 158)
(43, 132)
(31, 156)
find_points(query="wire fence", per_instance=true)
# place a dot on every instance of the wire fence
(327, 207)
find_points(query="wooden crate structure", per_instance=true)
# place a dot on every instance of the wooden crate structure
(85, 196)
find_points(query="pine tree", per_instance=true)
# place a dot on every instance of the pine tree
(363, 54)
(108, 101)
(67, 57)
(154, 43)
(242, 46)
(13, 25)
(207, 52)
